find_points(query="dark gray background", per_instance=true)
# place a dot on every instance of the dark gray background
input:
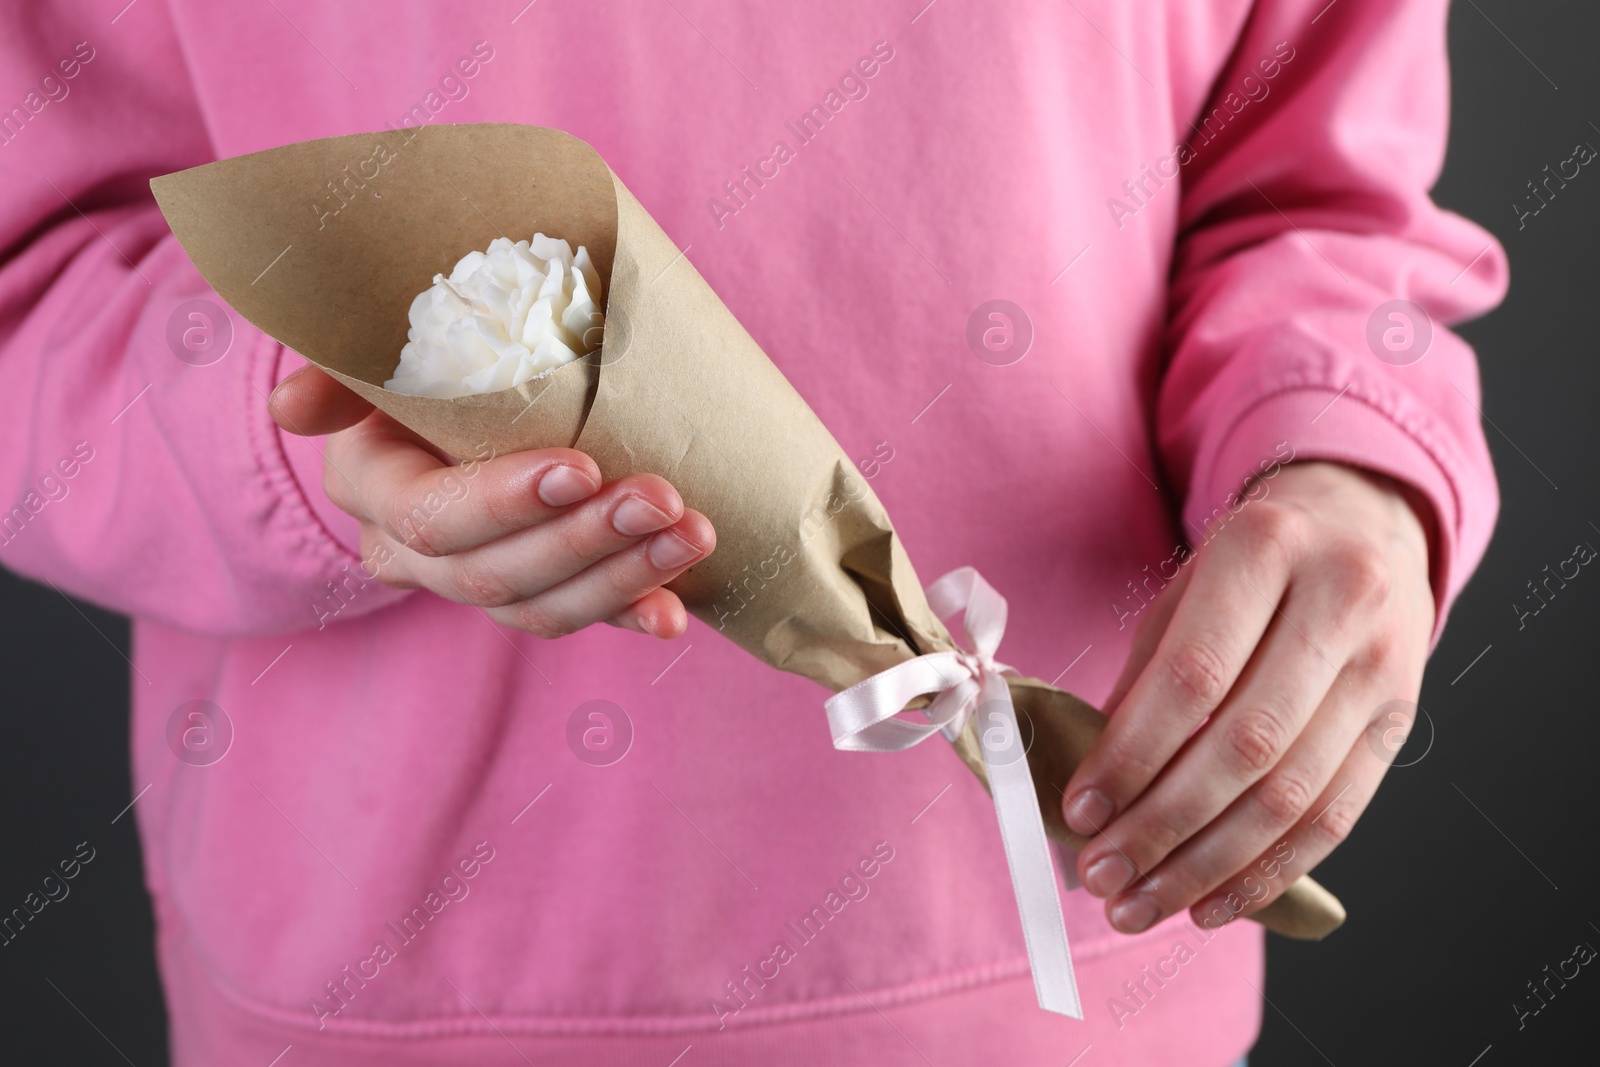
(1456, 902)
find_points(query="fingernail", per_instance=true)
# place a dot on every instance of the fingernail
(562, 485)
(634, 517)
(1088, 811)
(1107, 875)
(668, 551)
(1134, 914)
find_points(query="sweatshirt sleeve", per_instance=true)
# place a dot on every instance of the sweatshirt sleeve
(1305, 216)
(150, 484)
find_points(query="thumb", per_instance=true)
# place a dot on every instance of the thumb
(311, 403)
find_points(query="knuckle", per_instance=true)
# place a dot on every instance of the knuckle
(626, 593)
(1381, 657)
(581, 542)
(1159, 832)
(1197, 672)
(541, 623)
(1122, 769)
(1131, 771)
(505, 506)
(1273, 530)
(1335, 824)
(1284, 798)
(1253, 741)
(1362, 574)
(411, 527)
(634, 579)
(481, 584)
(1177, 886)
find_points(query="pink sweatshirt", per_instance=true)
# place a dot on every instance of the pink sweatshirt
(1200, 209)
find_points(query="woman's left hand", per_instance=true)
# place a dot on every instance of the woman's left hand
(1252, 729)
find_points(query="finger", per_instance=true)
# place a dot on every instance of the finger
(1285, 681)
(1329, 822)
(1215, 627)
(529, 561)
(311, 403)
(437, 508)
(1147, 637)
(375, 444)
(616, 583)
(659, 613)
(1259, 817)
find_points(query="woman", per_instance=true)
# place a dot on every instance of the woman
(1139, 310)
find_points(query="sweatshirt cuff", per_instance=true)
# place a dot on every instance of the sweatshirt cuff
(1315, 422)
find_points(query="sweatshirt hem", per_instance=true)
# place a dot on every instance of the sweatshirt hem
(985, 1014)
(477, 1023)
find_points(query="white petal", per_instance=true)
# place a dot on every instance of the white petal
(552, 353)
(540, 321)
(498, 376)
(469, 263)
(590, 275)
(582, 321)
(548, 248)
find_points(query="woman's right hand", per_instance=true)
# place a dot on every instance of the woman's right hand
(534, 539)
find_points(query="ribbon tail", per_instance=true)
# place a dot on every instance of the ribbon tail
(1027, 851)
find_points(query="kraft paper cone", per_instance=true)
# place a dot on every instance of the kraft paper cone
(324, 244)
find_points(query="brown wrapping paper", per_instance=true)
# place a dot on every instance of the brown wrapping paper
(324, 244)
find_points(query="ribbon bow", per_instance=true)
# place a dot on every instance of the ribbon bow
(864, 718)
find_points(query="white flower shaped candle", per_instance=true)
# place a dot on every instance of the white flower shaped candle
(501, 318)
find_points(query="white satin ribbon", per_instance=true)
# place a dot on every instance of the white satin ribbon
(864, 719)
